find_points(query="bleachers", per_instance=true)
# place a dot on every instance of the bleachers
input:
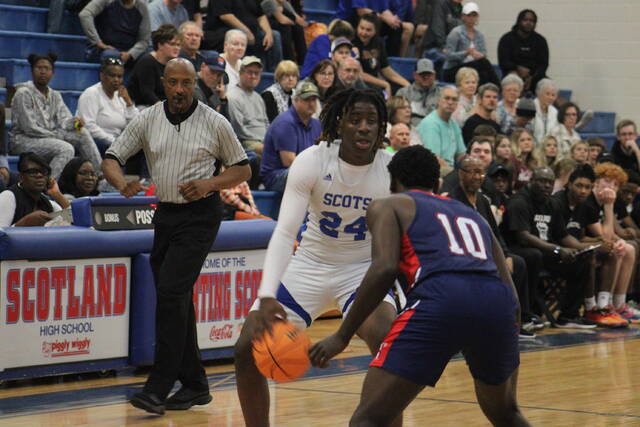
(14, 44)
(34, 19)
(23, 30)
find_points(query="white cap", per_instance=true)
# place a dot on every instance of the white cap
(469, 8)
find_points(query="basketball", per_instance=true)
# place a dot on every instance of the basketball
(282, 355)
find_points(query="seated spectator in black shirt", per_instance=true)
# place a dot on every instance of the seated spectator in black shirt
(78, 179)
(602, 216)
(373, 56)
(625, 151)
(485, 108)
(523, 51)
(500, 175)
(25, 203)
(190, 40)
(277, 97)
(569, 203)
(210, 87)
(536, 232)
(145, 83)
(116, 28)
(471, 175)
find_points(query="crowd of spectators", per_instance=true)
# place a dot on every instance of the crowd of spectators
(510, 148)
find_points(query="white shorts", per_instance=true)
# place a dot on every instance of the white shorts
(309, 289)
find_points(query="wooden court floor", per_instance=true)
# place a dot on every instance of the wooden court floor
(567, 378)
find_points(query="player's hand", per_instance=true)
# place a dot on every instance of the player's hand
(327, 349)
(195, 189)
(270, 311)
(132, 188)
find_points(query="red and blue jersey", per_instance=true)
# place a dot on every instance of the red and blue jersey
(445, 236)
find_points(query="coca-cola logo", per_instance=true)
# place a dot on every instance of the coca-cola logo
(224, 332)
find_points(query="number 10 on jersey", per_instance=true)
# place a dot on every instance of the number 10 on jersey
(471, 236)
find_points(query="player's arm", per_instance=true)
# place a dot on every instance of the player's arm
(386, 233)
(503, 270)
(302, 176)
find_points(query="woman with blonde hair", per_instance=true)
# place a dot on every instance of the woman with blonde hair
(580, 152)
(548, 151)
(467, 84)
(277, 97)
(525, 159)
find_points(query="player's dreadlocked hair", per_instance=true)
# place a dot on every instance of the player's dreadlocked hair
(415, 166)
(339, 105)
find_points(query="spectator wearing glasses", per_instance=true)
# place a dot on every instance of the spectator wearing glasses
(441, 134)
(145, 83)
(399, 111)
(43, 124)
(625, 151)
(565, 131)
(190, 39)
(471, 177)
(106, 106)
(325, 76)
(26, 204)
(78, 179)
(117, 28)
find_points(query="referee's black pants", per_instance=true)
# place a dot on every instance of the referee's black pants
(183, 237)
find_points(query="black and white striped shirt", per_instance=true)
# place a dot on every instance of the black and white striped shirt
(179, 153)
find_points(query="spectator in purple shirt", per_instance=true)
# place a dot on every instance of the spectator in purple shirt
(289, 134)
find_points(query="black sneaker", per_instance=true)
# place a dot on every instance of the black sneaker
(185, 398)
(538, 323)
(525, 335)
(148, 402)
(575, 323)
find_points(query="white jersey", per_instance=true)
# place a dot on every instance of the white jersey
(336, 229)
(335, 195)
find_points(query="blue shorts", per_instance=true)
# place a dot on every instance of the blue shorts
(448, 313)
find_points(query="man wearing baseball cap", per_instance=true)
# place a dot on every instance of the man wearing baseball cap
(210, 88)
(290, 133)
(340, 49)
(423, 93)
(248, 114)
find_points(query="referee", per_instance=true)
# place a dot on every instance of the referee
(183, 140)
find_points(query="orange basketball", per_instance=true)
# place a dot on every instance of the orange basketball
(282, 355)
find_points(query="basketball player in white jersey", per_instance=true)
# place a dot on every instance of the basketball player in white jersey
(334, 182)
